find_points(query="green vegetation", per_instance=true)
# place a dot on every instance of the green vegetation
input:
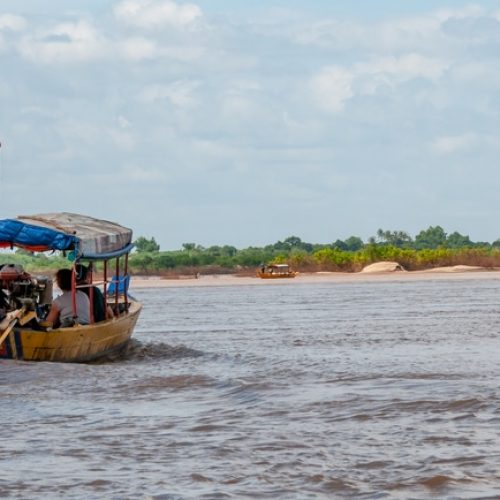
(430, 248)
(39, 262)
(142, 244)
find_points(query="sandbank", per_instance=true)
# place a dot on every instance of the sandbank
(444, 273)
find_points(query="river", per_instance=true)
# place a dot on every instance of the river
(366, 389)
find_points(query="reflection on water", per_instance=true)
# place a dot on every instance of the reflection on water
(363, 390)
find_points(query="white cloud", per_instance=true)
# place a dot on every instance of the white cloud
(455, 143)
(464, 12)
(240, 100)
(81, 41)
(122, 139)
(468, 141)
(12, 23)
(329, 34)
(392, 71)
(404, 68)
(426, 33)
(66, 42)
(396, 34)
(484, 72)
(157, 13)
(237, 107)
(407, 33)
(332, 87)
(64, 154)
(123, 122)
(181, 53)
(143, 175)
(422, 32)
(215, 149)
(179, 93)
(137, 49)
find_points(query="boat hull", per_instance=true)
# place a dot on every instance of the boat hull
(273, 276)
(74, 344)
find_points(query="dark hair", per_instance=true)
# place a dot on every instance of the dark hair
(63, 278)
(81, 272)
(4, 302)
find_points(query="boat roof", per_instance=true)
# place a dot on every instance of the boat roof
(92, 239)
(279, 266)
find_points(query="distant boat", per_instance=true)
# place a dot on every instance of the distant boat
(27, 298)
(276, 271)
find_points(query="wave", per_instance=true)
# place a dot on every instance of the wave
(145, 351)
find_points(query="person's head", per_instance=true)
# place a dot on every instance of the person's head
(81, 273)
(63, 278)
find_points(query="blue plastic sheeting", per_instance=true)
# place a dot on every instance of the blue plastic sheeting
(15, 233)
(86, 237)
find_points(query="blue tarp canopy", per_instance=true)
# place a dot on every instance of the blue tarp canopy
(91, 239)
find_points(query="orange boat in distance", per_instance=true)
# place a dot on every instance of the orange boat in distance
(276, 271)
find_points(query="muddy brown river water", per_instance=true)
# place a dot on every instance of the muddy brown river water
(368, 389)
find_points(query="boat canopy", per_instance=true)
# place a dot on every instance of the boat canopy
(89, 238)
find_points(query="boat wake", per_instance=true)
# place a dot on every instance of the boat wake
(139, 351)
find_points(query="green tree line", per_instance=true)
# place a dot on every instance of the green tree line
(430, 248)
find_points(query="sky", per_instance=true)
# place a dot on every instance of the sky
(243, 123)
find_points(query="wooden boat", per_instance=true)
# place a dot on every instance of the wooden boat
(276, 271)
(23, 335)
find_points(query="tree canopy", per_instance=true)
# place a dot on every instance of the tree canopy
(142, 244)
(433, 237)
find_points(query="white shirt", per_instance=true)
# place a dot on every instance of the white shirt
(65, 305)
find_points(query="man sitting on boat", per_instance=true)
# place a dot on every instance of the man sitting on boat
(99, 308)
(61, 313)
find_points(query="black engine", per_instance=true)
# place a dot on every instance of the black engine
(19, 289)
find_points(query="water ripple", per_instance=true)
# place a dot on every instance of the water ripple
(360, 390)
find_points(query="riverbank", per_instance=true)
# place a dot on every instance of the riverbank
(454, 272)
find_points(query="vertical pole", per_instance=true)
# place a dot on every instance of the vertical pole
(125, 282)
(73, 290)
(117, 287)
(91, 292)
(105, 286)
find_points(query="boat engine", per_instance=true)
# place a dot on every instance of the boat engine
(18, 288)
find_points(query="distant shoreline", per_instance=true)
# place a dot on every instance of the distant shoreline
(453, 272)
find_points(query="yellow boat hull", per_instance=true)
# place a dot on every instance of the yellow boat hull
(273, 276)
(74, 344)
